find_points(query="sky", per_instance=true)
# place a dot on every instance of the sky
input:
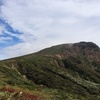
(27, 26)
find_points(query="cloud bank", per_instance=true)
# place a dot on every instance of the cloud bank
(31, 25)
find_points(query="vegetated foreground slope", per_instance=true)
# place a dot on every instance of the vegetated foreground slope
(68, 68)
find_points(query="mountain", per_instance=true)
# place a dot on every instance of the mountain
(62, 72)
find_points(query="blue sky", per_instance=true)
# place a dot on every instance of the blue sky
(27, 26)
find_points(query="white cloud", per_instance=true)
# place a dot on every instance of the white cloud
(2, 28)
(3, 39)
(48, 22)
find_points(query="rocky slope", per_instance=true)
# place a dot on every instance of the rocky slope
(70, 68)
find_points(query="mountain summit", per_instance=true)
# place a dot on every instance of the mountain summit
(86, 45)
(69, 68)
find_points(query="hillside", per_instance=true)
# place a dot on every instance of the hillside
(62, 72)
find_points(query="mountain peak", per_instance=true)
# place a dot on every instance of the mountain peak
(84, 45)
